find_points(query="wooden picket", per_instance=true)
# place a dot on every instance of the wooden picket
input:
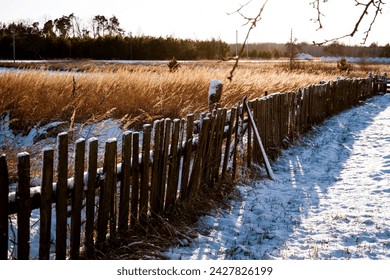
(4, 191)
(46, 201)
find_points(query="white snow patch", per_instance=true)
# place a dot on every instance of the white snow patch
(304, 56)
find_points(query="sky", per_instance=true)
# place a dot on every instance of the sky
(206, 19)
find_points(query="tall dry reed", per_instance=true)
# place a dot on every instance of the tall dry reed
(142, 93)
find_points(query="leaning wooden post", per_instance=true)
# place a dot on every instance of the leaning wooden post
(23, 201)
(252, 121)
(4, 191)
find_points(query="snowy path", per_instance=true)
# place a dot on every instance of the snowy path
(331, 199)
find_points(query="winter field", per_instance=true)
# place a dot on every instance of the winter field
(330, 199)
(332, 188)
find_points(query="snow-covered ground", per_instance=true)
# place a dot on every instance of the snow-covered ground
(383, 60)
(331, 199)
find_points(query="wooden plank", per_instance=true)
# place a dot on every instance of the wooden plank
(292, 119)
(124, 196)
(197, 165)
(261, 126)
(219, 141)
(286, 119)
(113, 214)
(205, 162)
(77, 200)
(23, 200)
(209, 152)
(4, 191)
(253, 152)
(187, 157)
(276, 123)
(226, 157)
(106, 191)
(164, 162)
(61, 196)
(90, 196)
(155, 194)
(173, 171)
(258, 138)
(249, 139)
(135, 181)
(145, 164)
(235, 146)
(46, 201)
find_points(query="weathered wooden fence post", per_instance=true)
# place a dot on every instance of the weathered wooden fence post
(174, 166)
(106, 201)
(46, 201)
(145, 171)
(77, 199)
(90, 197)
(124, 196)
(155, 198)
(187, 156)
(197, 169)
(23, 202)
(61, 196)
(232, 117)
(135, 182)
(4, 191)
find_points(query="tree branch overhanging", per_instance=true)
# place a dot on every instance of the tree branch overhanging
(252, 21)
(316, 6)
(376, 4)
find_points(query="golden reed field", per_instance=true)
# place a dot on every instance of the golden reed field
(142, 93)
(138, 94)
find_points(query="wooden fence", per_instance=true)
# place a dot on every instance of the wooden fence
(174, 160)
(381, 84)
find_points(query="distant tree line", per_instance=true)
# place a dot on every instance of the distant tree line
(274, 50)
(65, 37)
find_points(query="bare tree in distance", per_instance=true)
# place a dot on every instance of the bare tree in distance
(368, 5)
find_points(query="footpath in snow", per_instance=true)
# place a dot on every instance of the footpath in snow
(331, 199)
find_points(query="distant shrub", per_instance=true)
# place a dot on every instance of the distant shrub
(343, 65)
(173, 65)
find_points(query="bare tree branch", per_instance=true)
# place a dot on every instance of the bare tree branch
(316, 6)
(252, 21)
(377, 4)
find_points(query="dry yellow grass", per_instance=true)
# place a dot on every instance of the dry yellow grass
(142, 93)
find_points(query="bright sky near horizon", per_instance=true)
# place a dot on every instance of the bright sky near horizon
(206, 19)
